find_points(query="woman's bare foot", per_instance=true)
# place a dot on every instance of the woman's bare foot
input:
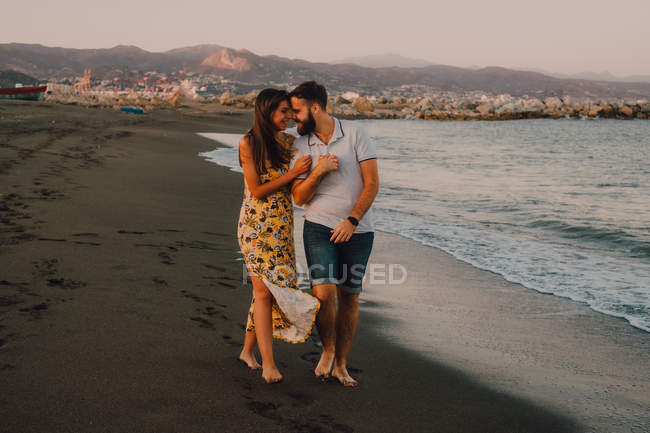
(341, 373)
(324, 366)
(273, 375)
(249, 359)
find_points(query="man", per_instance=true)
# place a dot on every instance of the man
(338, 233)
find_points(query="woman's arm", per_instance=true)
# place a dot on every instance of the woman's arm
(261, 190)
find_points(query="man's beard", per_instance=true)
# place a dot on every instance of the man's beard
(308, 126)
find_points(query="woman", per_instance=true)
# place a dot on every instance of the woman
(265, 233)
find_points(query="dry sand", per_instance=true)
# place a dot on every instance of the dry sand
(122, 305)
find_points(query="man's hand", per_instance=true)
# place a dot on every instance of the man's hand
(343, 232)
(327, 163)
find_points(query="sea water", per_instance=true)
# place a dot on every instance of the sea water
(559, 206)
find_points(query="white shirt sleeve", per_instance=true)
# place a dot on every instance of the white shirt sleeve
(364, 146)
(298, 154)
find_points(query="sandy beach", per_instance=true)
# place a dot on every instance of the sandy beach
(122, 307)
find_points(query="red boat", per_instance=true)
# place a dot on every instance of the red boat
(27, 93)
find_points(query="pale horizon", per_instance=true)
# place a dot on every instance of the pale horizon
(555, 37)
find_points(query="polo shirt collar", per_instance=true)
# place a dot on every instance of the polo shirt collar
(338, 133)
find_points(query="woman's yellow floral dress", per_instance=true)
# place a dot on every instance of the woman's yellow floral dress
(265, 233)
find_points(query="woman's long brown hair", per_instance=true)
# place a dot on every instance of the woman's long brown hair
(262, 135)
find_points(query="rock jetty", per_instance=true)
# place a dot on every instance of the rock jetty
(441, 106)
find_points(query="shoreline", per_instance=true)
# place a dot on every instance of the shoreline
(119, 253)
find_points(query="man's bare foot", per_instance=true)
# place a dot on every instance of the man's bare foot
(273, 375)
(324, 366)
(249, 359)
(341, 373)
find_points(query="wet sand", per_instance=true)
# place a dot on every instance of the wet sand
(122, 304)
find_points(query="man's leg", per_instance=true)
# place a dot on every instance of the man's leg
(353, 258)
(325, 322)
(322, 260)
(347, 319)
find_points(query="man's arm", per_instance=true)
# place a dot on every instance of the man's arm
(303, 190)
(370, 174)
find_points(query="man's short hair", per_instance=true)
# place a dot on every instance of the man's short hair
(312, 92)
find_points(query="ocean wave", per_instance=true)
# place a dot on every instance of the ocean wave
(612, 238)
(610, 285)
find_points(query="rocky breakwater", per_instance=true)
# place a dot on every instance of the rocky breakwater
(483, 107)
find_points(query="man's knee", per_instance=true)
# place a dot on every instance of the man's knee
(347, 298)
(324, 292)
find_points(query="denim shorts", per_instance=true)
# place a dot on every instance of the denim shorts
(343, 264)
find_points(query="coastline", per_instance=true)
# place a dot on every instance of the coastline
(122, 302)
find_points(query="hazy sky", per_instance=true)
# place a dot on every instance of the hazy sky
(556, 35)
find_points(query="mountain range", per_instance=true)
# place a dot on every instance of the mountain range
(243, 66)
(395, 60)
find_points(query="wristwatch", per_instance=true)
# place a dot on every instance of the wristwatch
(353, 220)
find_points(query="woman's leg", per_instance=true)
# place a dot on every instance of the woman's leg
(264, 329)
(247, 355)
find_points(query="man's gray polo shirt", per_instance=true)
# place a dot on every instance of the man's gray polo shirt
(339, 190)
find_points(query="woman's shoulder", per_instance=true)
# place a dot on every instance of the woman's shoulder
(245, 144)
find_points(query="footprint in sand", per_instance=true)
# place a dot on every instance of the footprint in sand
(167, 259)
(215, 234)
(45, 267)
(216, 268)
(267, 410)
(86, 235)
(6, 301)
(203, 323)
(65, 283)
(312, 357)
(300, 399)
(94, 244)
(35, 310)
(159, 281)
(331, 423)
(127, 232)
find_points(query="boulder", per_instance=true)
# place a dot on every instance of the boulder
(362, 105)
(350, 96)
(507, 108)
(594, 110)
(227, 98)
(484, 108)
(340, 100)
(533, 105)
(249, 98)
(626, 111)
(553, 103)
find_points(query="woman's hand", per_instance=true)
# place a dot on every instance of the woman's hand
(327, 163)
(302, 165)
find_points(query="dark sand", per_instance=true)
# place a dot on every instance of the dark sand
(122, 305)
